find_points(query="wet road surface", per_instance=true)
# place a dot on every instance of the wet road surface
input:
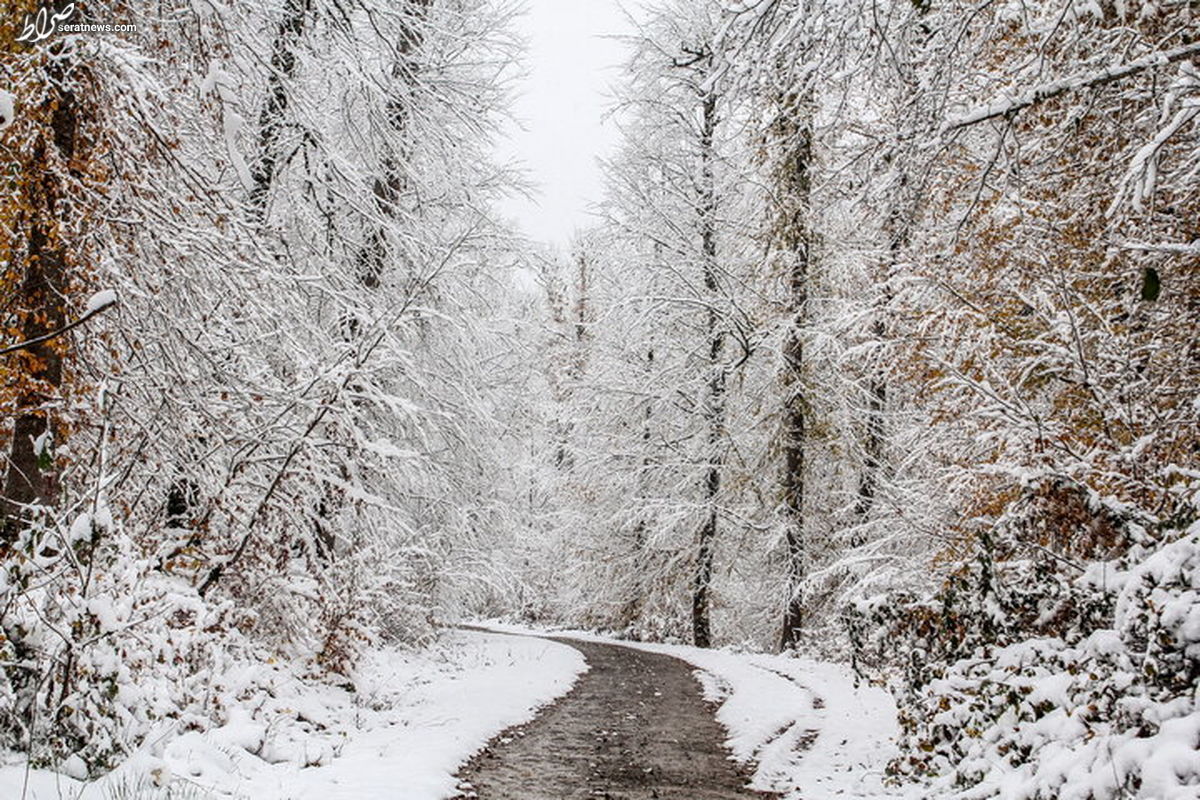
(634, 727)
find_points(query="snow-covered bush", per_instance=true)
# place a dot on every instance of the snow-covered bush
(1104, 704)
(98, 646)
(1026, 576)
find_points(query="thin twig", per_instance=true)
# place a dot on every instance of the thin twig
(12, 348)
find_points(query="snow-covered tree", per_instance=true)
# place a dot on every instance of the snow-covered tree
(277, 443)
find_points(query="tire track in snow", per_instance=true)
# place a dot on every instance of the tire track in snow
(786, 748)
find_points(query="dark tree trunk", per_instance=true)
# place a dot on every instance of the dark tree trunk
(868, 484)
(274, 113)
(582, 313)
(583, 279)
(794, 134)
(389, 186)
(30, 478)
(714, 407)
(37, 372)
(632, 611)
(578, 356)
(897, 229)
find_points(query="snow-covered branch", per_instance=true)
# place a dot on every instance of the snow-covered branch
(1046, 91)
(98, 304)
(1175, 248)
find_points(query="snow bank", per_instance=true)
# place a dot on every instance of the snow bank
(400, 733)
(811, 732)
(805, 727)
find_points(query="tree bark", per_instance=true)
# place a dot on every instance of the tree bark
(897, 230)
(389, 186)
(793, 131)
(714, 407)
(632, 610)
(868, 483)
(274, 113)
(30, 478)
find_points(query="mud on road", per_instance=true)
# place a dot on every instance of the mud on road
(634, 727)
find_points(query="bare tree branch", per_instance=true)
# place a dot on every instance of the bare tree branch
(99, 309)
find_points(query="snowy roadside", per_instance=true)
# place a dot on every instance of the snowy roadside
(809, 731)
(401, 735)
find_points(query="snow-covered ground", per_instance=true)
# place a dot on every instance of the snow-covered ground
(412, 720)
(808, 729)
(401, 734)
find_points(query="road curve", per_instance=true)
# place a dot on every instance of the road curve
(634, 727)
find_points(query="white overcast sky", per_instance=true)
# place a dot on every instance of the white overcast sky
(561, 103)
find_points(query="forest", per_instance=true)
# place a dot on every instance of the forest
(880, 351)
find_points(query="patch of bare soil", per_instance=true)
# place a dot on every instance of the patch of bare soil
(634, 727)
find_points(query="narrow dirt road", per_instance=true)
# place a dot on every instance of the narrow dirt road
(634, 727)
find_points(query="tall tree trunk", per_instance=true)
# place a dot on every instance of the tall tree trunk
(714, 407)
(637, 599)
(41, 209)
(183, 494)
(583, 279)
(389, 186)
(632, 610)
(896, 228)
(868, 483)
(372, 259)
(30, 478)
(793, 133)
(576, 366)
(274, 113)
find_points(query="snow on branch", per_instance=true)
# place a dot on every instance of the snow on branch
(1139, 181)
(1055, 88)
(1178, 248)
(99, 303)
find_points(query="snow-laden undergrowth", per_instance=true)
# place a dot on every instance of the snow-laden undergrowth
(404, 723)
(1096, 699)
(1115, 714)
